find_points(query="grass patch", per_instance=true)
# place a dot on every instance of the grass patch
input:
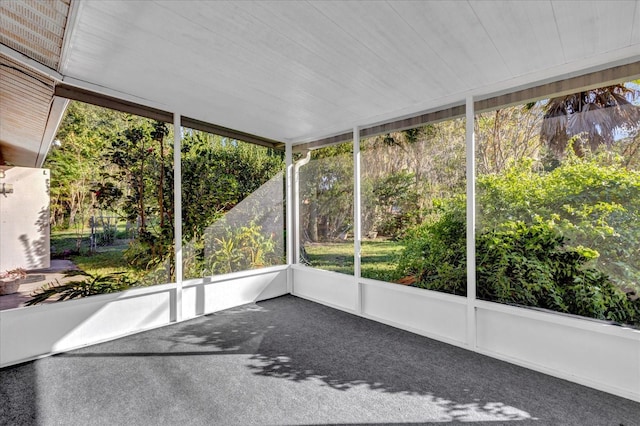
(106, 260)
(102, 262)
(70, 242)
(379, 257)
(336, 257)
(65, 242)
(378, 261)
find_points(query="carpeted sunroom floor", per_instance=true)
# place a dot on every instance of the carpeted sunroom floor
(289, 361)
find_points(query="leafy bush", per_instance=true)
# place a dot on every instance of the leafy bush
(531, 265)
(147, 252)
(435, 254)
(538, 238)
(528, 265)
(218, 175)
(593, 201)
(224, 249)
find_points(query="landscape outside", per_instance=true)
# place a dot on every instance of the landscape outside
(232, 205)
(112, 204)
(558, 206)
(326, 209)
(557, 194)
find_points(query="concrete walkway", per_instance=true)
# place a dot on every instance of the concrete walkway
(36, 278)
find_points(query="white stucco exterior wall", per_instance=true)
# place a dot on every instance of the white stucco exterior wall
(24, 218)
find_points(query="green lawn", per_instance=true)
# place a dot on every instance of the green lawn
(107, 259)
(379, 257)
(64, 241)
(102, 262)
(378, 260)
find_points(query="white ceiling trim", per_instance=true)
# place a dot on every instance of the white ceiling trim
(56, 112)
(80, 84)
(72, 20)
(30, 63)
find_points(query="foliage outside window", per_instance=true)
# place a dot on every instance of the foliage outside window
(326, 209)
(409, 179)
(232, 205)
(111, 202)
(558, 194)
(558, 208)
(558, 204)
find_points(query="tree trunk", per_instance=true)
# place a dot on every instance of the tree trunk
(143, 226)
(312, 228)
(161, 183)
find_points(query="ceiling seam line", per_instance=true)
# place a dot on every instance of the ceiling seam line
(493, 43)
(634, 26)
(555, 21)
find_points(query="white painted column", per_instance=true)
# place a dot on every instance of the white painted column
(357, 223)
(177, 213)
(291, 232)
(296, 205)
(471, 224)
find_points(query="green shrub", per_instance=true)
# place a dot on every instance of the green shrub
(224, 249)
(435, 253)
(593, 201)
(531, 265)
(520, 264)
(139, 254)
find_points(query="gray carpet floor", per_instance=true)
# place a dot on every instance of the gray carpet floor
(294, 362)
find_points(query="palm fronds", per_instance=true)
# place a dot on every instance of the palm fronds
(595, 114)
(90, 285)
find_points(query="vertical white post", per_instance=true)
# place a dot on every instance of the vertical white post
(296, 205)
(288, 157)
(357, 224)
(177, 213)
(471, 224)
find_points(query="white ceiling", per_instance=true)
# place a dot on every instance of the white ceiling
(295, 71)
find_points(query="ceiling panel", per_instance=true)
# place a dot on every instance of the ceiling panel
(390, 52)
(527, 39)
(445, 27)
(291, 70)
(592, 27)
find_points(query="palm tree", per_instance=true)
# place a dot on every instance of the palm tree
(591, 118)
